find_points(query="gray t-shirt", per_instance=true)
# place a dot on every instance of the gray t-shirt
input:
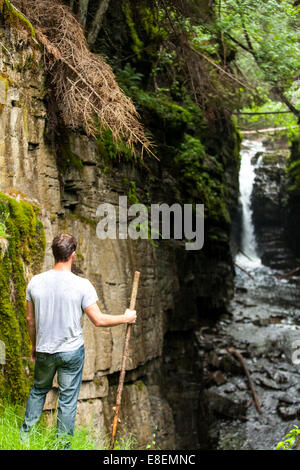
(59, 297)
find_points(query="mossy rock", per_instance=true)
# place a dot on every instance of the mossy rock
(26, 247)
(293, 168)
(201, 176)
(275, 157)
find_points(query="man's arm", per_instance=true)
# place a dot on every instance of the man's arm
(30, 323)
(102, 319)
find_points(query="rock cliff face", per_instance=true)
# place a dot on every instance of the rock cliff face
(270, 206)
(292, 221)
(178, 289)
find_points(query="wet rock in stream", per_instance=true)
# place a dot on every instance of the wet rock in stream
(288, 412)
(269, 383)
(233, 405)
(229, 417)
(268, 201)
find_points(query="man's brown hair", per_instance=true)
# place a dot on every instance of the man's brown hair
(63, 246)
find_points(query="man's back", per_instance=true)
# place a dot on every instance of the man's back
(59, 297)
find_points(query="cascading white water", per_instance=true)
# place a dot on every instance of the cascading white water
(246, 179)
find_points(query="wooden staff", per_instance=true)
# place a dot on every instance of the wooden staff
(123, 366)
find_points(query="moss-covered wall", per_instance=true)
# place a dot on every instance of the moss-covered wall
(293, 168)
(22, 246)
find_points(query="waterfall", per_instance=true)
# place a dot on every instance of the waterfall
(246, 179)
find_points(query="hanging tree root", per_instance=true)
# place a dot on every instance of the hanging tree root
(86, 91)
(245, 367)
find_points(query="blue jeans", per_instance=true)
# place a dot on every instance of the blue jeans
(69, 366)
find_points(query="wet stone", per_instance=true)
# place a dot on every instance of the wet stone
(288, 412)
(232, 406)
(261, 322)
(229, 388)
(218, 377)
(280, 378)
(230, 364)
(270, 383)
(208, 346)
(290, 399)
(256, 157)
(213, 359)
(241, 385)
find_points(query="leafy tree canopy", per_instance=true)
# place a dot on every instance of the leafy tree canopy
(266, 34)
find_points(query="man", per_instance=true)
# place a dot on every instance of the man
(55, 301)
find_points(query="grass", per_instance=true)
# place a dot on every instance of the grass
(42, 437)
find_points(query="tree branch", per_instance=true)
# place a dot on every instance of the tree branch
(278, 90)
(238, 43)
(97, 22)
(82, 11)
(219, 67)
(250, 47)
(265, 112)
(247, 37)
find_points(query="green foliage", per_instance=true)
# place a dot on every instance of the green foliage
(271, 32)
(287, 120)
(198, 174)
(174, 116)
(258, 40)
(237, 138)
(110, 150)
(266, 36)
(43, 436)
(129, 79)
(26, 246)
(176, 120)
(164, 108)
(202, 36)
(137, 44)
(201, 175)
(128, 443)
(291, 440)
(3, 219)
(153, 444)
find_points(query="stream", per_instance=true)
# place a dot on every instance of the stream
(263, 324)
